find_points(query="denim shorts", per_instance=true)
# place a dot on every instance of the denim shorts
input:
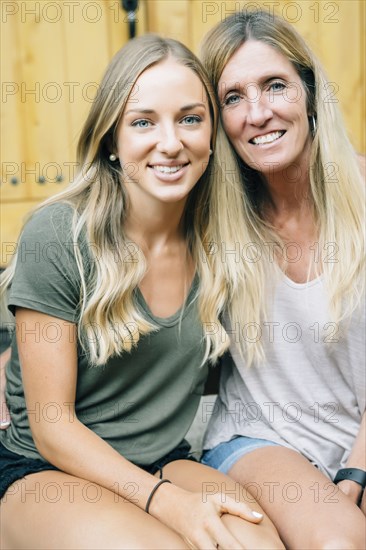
(223, 456)
(14, 467)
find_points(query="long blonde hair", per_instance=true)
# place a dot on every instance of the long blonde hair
(100, 203)
(336, 184)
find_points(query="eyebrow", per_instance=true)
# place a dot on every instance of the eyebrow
(151, 111)
(264, 79)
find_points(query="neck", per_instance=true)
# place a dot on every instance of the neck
(156, 227)
(288, 195)
(289, 189)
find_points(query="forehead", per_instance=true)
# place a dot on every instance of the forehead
(170, 81)
(254, 61)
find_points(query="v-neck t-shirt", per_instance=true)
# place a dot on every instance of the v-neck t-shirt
(142, 402)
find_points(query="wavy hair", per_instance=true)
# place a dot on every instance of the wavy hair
(100, 203)
(336, 185)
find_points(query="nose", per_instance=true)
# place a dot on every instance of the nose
(169, 141)
(259, 110)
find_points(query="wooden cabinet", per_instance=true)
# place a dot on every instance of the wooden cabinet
(54, 54)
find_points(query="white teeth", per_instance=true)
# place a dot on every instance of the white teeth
(168, 169)
(268, 138)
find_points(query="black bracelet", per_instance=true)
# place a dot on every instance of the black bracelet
(153, 493)
(353, 474)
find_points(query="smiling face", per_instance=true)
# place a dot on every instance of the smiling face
(264, 111)
(163, 138)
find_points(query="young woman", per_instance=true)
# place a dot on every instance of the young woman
(291, 409)
(110, 289)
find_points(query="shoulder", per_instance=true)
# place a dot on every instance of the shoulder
(46, 276)
(48, 234)
(50, 225)
(51, 220)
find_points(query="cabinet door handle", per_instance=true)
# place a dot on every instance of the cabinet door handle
(131, 6)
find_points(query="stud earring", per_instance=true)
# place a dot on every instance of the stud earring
(211, 151)
(112, 157)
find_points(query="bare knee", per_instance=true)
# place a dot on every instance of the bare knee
(255, 535)
(196, 477)
(340, 542)
(90, 519)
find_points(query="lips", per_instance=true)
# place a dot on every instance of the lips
(170, 171)
(267, 138)
(167, 169)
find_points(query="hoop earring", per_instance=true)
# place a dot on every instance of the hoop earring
(112, 157)
(313, 125)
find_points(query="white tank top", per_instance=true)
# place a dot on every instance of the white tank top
(309, 394)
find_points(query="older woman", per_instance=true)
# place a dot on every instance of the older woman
(291, 409)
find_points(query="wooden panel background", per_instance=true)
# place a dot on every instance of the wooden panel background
(54, 54)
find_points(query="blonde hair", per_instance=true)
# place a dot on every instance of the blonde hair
(336, 184)
(100, 205)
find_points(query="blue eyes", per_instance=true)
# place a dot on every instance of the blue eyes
(188, 120)
(141, 123)
(277, 87)
(273, 87)
(232, 99)
(191, 119)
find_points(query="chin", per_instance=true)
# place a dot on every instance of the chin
(173, 198)
(176, 195)
(271, 164)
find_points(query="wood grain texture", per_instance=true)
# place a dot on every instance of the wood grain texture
(55, 57)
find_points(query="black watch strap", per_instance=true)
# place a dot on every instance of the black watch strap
(354, 474)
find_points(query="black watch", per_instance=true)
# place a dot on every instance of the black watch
(354, 474)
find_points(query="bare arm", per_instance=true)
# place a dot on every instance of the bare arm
(4, 411)
(357, 459)
(49, 371)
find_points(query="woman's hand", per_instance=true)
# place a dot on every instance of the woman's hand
(353, 490)
(4, 411)
(198, 517)
(356, 459)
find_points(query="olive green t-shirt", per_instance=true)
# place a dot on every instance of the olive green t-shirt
(142, 403)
